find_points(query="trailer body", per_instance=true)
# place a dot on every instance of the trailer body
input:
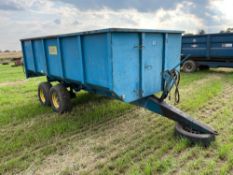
(212, 50)
(125, 62)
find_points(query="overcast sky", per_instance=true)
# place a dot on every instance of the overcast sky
(26, 18)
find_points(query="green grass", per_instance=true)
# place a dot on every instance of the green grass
(104, 136)
(186, 79)
(201, 95)
(20, 106)
(224, 150)
(9, 73)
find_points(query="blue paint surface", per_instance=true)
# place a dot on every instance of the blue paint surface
(72, 57)
(39, 57)
(96, 59)
(125, 62)
(54, 63)
(125, 65)
(152, 55)
(29, 58)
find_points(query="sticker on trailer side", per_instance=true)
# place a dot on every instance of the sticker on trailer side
(52, 50)
(227, 45)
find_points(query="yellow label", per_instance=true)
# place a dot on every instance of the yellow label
(52, 50)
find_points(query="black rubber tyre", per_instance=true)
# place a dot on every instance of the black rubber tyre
(193, 136)
(189, 66)
(43, 93)
(60, 99)
(72, 94)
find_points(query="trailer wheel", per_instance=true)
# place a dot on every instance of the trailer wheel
(43, 93)
(72, 94)
(60, 99)
(194, 136)
(189, 66)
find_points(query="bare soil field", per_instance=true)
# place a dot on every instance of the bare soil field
(8, 56)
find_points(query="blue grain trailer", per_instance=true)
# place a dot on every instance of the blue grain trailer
(209, 50)
(126, 64)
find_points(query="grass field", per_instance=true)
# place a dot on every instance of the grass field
(103, 136)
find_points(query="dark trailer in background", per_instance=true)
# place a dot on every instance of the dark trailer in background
(208, 50)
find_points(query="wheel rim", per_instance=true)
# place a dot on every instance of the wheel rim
(55, 100)
(42, 96)
(189, 67)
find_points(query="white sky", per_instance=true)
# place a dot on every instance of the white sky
(26, 18)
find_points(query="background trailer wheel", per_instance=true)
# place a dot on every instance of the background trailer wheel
(60, 99)
(189, 66)
(43, 93)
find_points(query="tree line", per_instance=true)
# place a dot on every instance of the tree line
(202, 31)
(7, 51)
